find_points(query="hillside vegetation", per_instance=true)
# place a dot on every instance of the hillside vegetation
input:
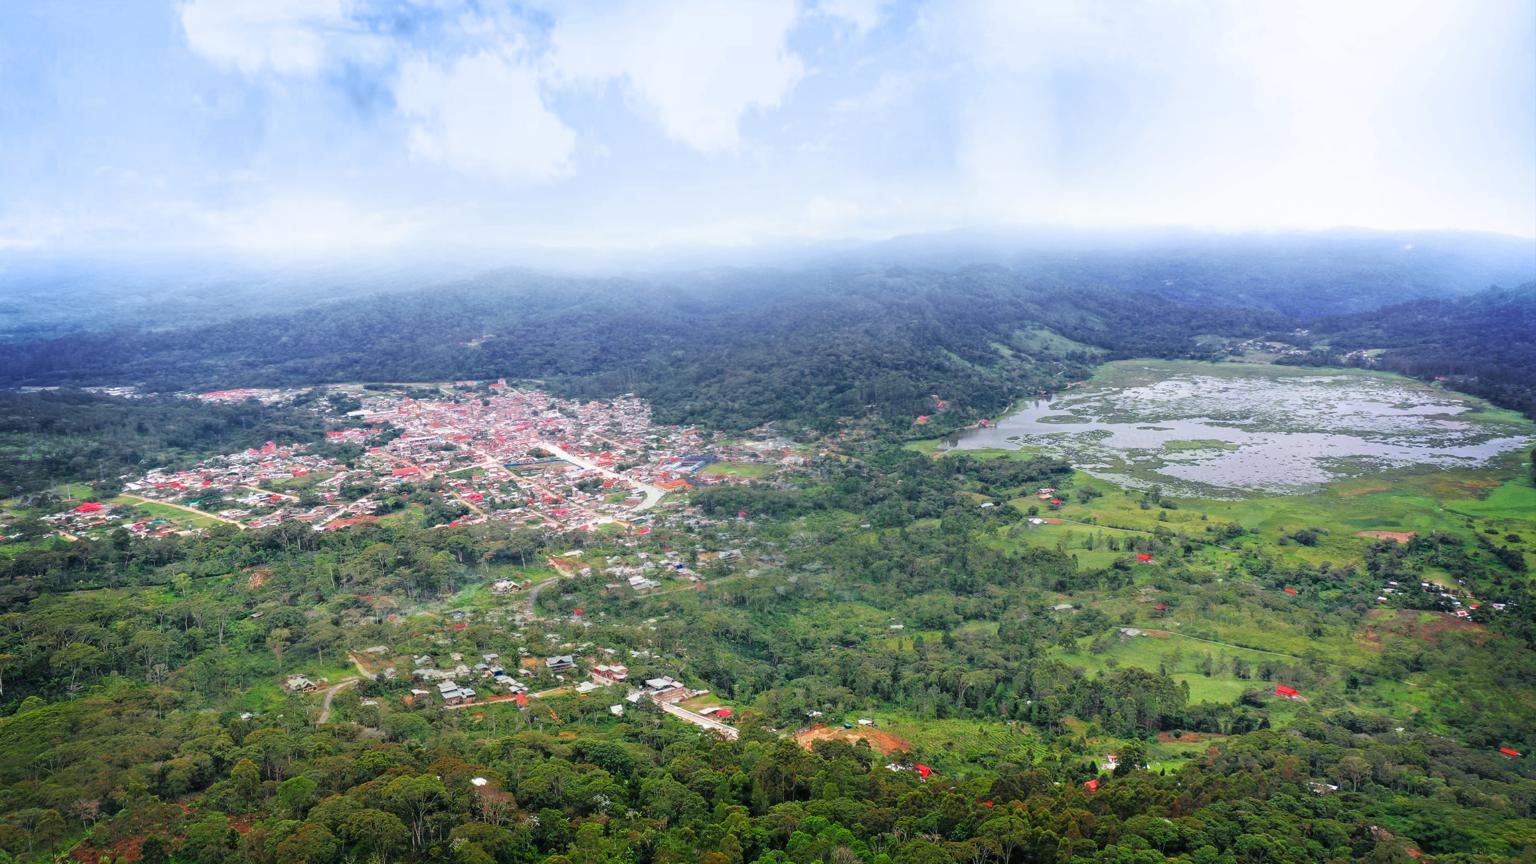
(923, 660)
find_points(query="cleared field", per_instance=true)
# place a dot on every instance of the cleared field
(152, 510)
(1421, 501)
(879, 739)
(739, 469)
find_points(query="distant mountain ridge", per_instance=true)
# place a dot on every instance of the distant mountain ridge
(732, 351)
(1306, 274)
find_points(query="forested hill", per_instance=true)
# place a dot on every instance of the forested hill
(1308, 274)
(1484, 344)
(729, 350)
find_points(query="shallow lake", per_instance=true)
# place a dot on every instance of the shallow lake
(1231, 434)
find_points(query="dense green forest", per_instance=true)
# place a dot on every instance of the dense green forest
(733, 354)
(1308, 274)
(1484, 344)
(66, 435)
(141, 720)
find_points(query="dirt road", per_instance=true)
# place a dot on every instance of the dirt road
(533, 593)
(181, 507)
(325, 707)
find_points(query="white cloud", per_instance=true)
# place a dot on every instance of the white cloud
(699, 65)
(304, 224)
(865, 15)
(483, 114)
(286, 36)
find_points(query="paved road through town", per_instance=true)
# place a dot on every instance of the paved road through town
(700, 720)
(653, 494)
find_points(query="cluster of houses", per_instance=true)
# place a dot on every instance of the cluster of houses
(452, 685)
(1447, 599)
(450, 682)
(488, 443)
(92, 517)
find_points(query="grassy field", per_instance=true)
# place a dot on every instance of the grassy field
(295, 485)
(153, 510)
(739, 469)
(1459, 502)
(409, 515)
(954, 747)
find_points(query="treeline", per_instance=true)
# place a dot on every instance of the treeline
(129, 705)
(1484, 344)
(67, 435)
(646, 788)
(733, 353)
(892, 490)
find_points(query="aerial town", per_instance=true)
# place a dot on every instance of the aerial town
(502, 454)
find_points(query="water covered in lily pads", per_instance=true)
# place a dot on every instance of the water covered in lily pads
(1234, 434)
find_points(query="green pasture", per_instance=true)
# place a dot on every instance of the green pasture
(295, 485)
(153, 510)
(1421, 500)
(739, 469)
(952, 746)
(408, 515)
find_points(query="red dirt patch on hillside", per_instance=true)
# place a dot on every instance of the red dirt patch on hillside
(1156, 634)
(1399, 536)
(1354, 492)
(347, 523)
(1405, 622)
(881, 740)
(1188, 737)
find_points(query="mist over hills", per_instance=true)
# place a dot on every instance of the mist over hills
(835, 336)
(731, 349)
(1306, 274)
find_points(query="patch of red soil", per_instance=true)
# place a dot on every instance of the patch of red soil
(1406, 622)
(1399, 536)
(343, 523)
(1156, 634)
(881, 740)
(1188, 737)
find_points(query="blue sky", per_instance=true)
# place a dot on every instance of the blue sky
(319, 126)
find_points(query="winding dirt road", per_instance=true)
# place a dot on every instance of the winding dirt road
(325, 707)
